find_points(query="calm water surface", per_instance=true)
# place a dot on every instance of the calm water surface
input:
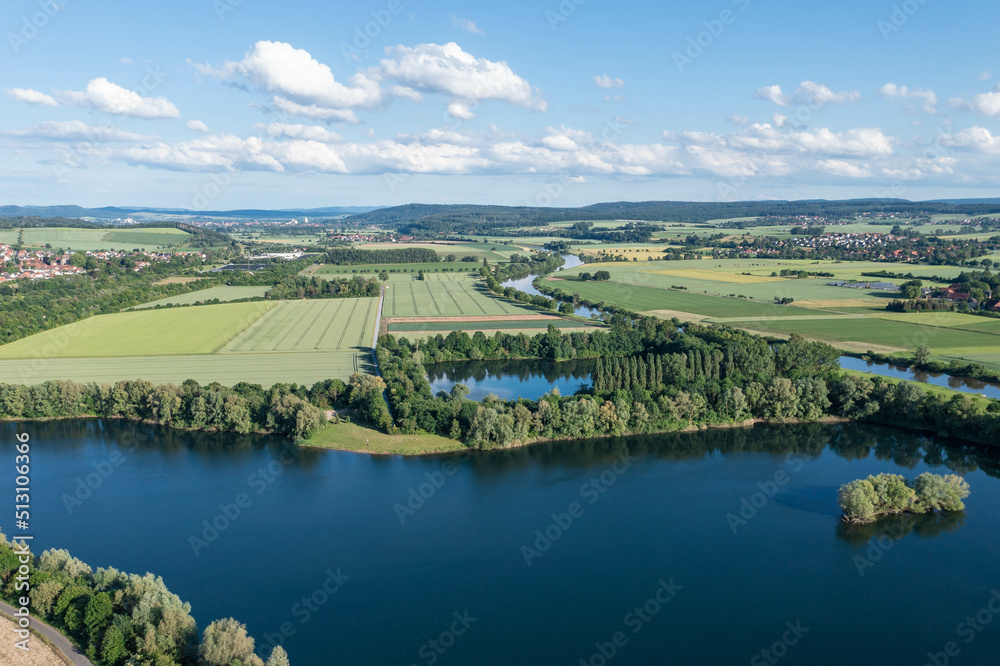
(525, 284)
(963, 384)
(643, 510)
(511, 379)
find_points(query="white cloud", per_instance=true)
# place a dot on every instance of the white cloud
(986, 76)
(102, 95)
(32, 96)
(466, 25)
(738, 120)
(76, 130)
(293, 74)
(314, 111)
(976, 139)
(842, 168)
(408, 93)
(986, 104)
(606, 81)
(810, 93)
(925, 99)
(460, 111)
(448, 70)
(125, 61)
(197, 126)
(304, 132)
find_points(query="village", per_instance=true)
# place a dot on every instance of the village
(45, 264)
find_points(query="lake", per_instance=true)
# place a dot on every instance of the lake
(702, 548)
(963, 384)
(525, 284)
(511, 379)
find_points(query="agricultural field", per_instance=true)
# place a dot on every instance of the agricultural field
(490, 251)
(445, 295)
(9, 236)
(200, 330)
(324, 324)
(222, 293)
(83, 240)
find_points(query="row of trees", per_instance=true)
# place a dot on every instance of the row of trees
(342, 256)
(124, 619)
(290, 410)
(304, 286)
(865, 500)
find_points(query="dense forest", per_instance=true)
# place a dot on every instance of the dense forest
(347, 256)
(654, 377)
(121, 619)
(290, 410)
(304, 286)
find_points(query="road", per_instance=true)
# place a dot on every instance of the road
(58, 640)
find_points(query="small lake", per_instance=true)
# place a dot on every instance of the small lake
(721, 539)
(525, 284)
(963, 384)
(511, 379)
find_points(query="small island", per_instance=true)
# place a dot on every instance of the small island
(866, 500)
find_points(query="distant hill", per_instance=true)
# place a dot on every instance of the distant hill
(114, 212)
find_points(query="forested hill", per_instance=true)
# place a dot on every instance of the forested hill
(467, 218)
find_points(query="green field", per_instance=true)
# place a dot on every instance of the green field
(330, 324)
(301, 368)
(223, 293)
(479, 250)
(200, 330)
(450, 295)
(9, 236)
(103, 239)
(537, 325)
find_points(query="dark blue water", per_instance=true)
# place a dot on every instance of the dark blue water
(667, 519)
(525, 284)
(511, 379)
(963, 384)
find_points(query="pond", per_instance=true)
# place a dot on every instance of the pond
(525, 284)
(963, 384)
(698, 548)
(511, 379)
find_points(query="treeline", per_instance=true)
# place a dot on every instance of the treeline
(918, 305)
(652, 377)
(346, 256)
(290, 410)
(27, 221)
(906, 276)
(929, 249)
(119, 619)
(303, 286)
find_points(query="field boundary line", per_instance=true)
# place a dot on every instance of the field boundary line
(269, 310)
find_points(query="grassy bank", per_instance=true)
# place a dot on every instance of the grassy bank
(358, 438)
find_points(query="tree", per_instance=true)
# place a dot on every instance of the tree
(383, 275)
(921, 356)
(857, 499)
(278, 657)
(113, 646)
(226, 641)
(602, 275)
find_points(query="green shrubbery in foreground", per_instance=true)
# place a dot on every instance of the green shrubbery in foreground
(865, 500)
(121, 619)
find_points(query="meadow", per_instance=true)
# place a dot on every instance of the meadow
(223, 293)
(83, 240)
(194, 330)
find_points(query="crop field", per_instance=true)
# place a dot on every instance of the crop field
(451, 295)
(490, 251)
(513, 324)
(9, 236)
(199, 330)
(223, 293)
(717, 276)
(326, 324)
(228, 369)
(103, 239)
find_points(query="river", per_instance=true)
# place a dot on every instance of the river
(525, 284)
(696, 548)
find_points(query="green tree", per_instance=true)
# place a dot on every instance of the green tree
(922, 355)
(113, 650)
(225, 642)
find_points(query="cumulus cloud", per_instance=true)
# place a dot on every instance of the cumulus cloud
(294, 75)
(913, 98)
(197, 126)
(103, 95)
(466, 25)
(76, 130)
(975, 139)
(32, 96)
(304, 132)
(606, 81)
(808, 92)
(986, 104)
(448, 70)
(314, 111)
(842, 168)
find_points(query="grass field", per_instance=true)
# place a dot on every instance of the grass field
(478, 250)
(515, 324)
(266, 369)
(223, 293)
(103, 239)
(452, 266)
(354, 437)
(450, 295)
(199, 330)
(331, 324)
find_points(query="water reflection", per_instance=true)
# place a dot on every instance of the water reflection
(525, 284)
(963, 384)
(924, 525)
(511, 379)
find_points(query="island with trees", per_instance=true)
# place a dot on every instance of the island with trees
(866, 500)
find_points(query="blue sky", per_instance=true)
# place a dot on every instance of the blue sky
(227, 103)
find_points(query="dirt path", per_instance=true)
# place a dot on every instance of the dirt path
(40, 653)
